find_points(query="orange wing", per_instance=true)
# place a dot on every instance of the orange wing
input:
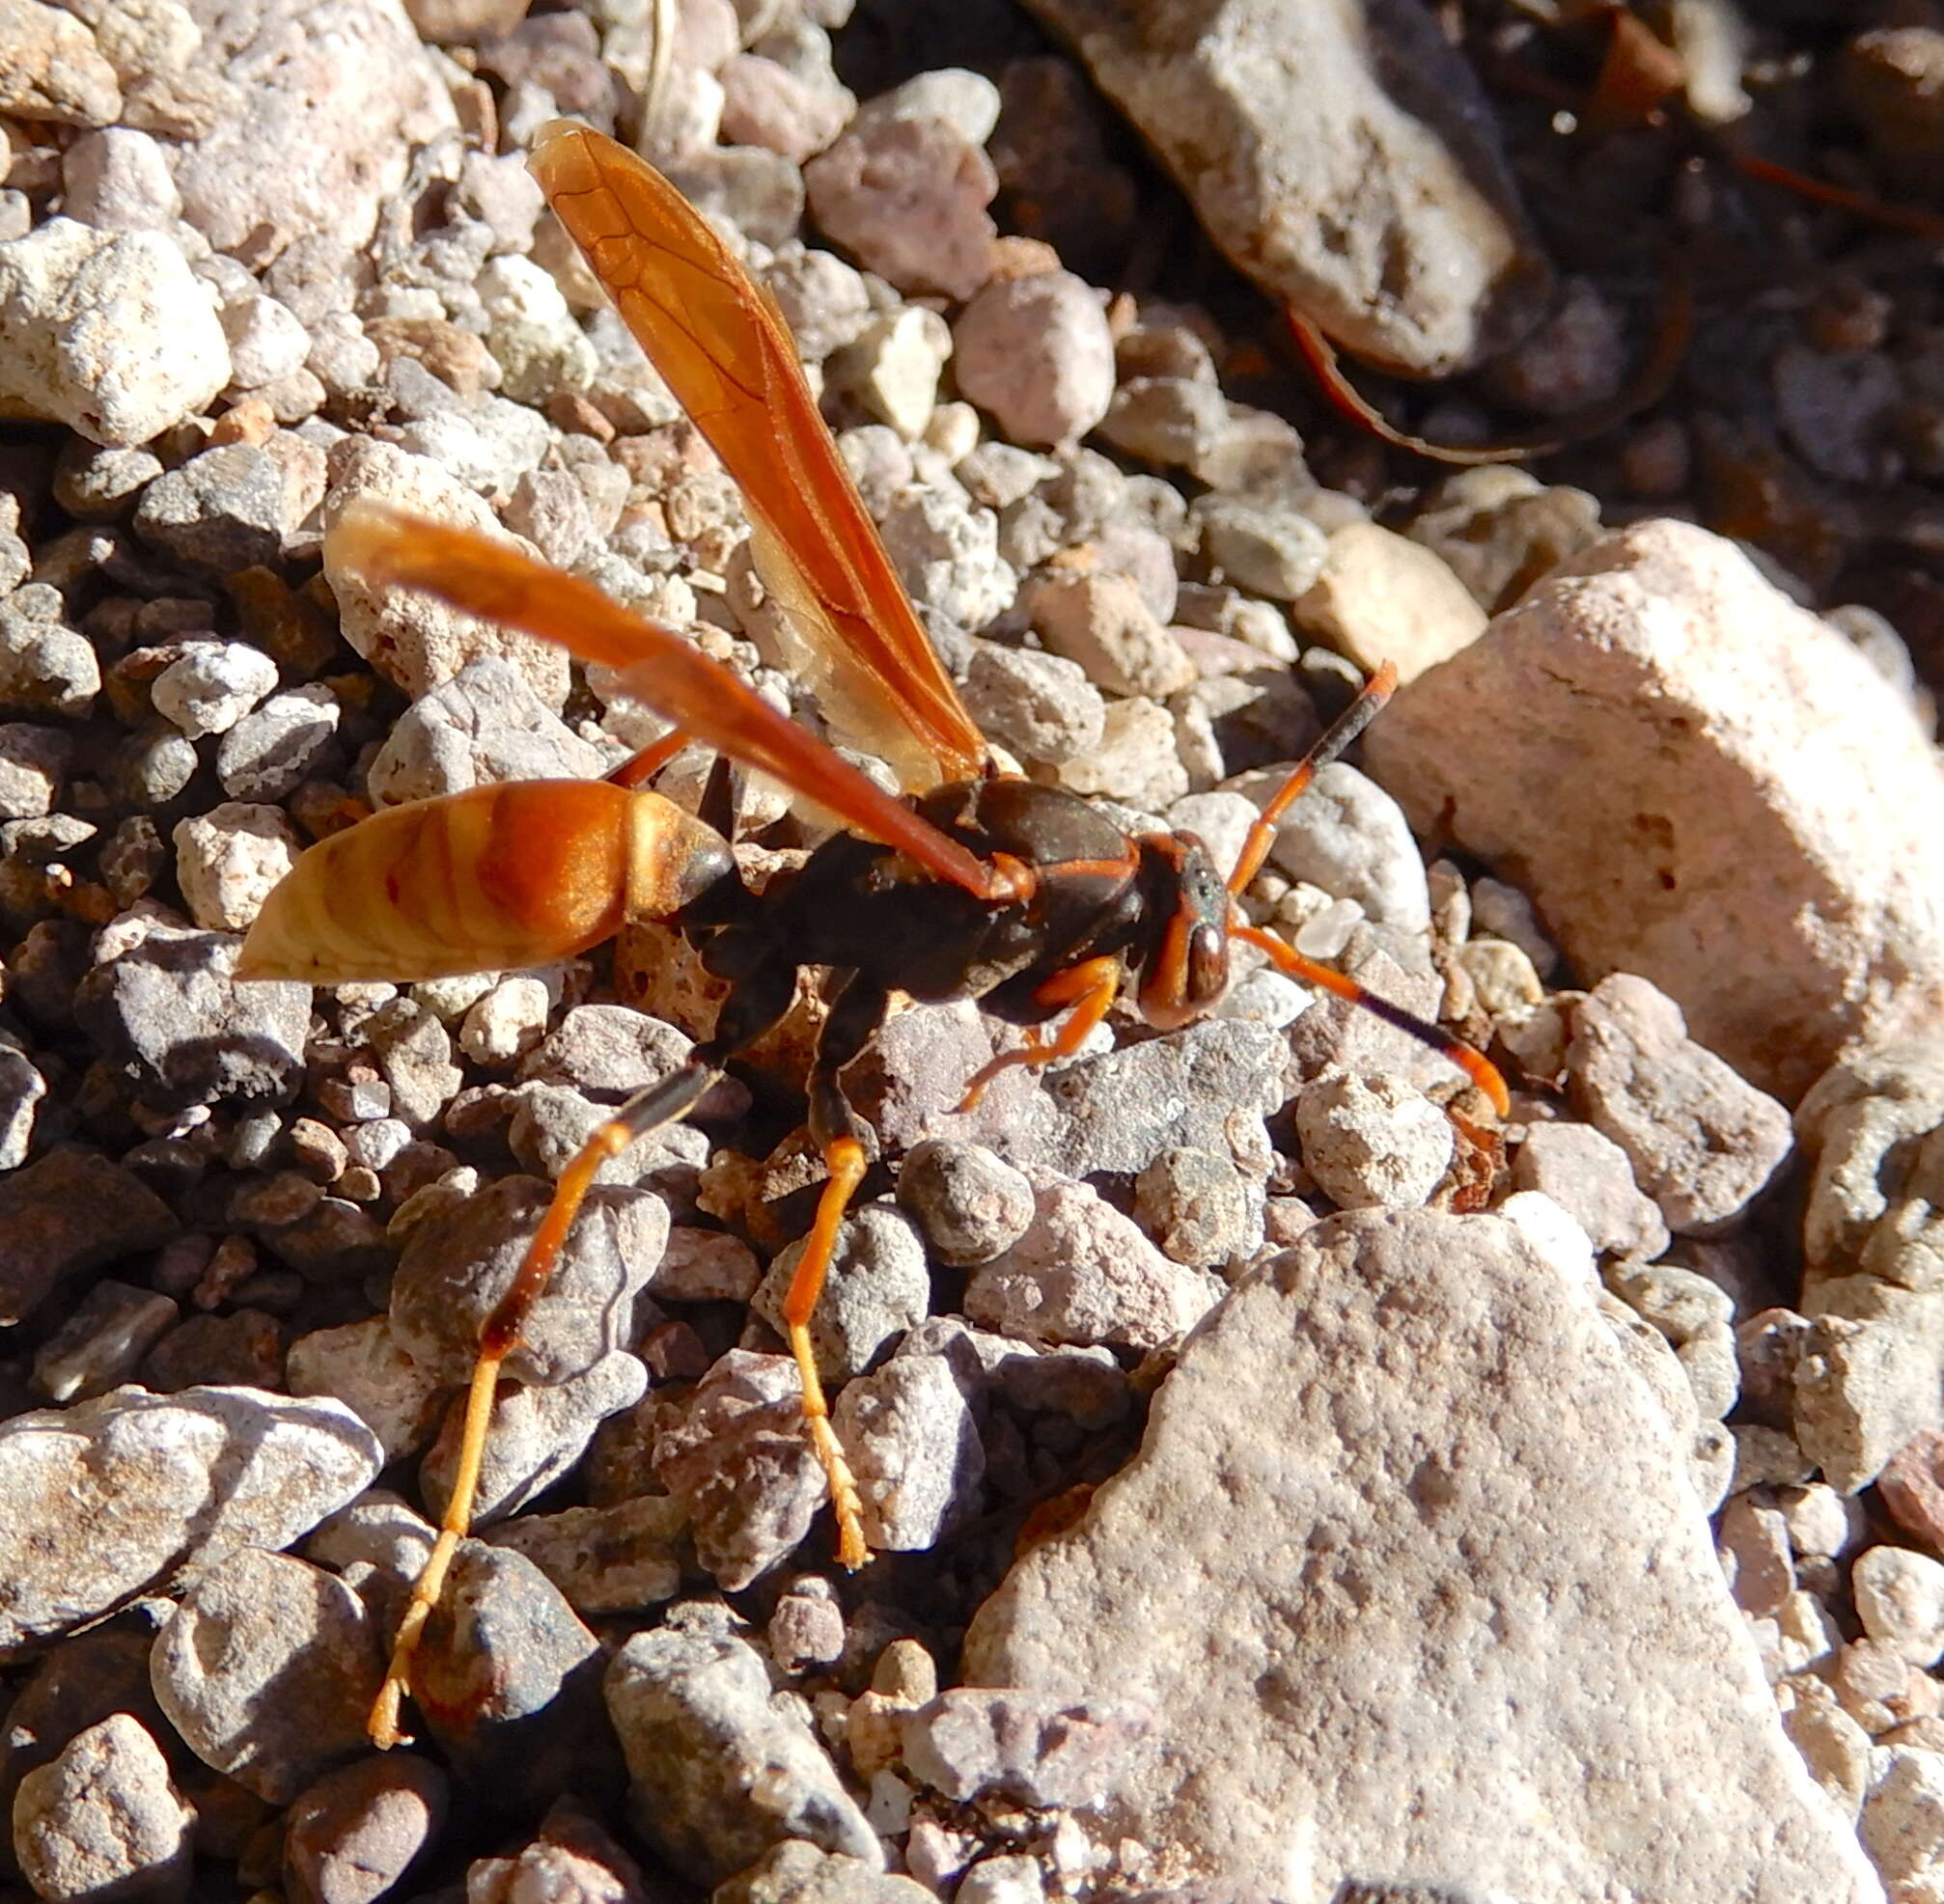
(498, 582)
(724, 351)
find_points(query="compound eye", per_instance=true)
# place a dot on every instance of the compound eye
(1189, 976)
(1207, 966)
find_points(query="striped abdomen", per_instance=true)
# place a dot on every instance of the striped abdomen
(490, 880)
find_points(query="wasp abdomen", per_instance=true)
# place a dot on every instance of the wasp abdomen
(493, 879)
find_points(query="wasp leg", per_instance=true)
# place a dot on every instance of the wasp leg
(1089, 987)
(638, 769)
(659, 1104)
(1479, 1068)
(1337, 737)
(854, 1021)
(749, 1011)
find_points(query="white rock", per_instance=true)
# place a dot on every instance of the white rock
(894, 368)
(1900, 1599)
(118, 180)
(267, 341)
(104, 1819)
(1372, 1140)
(116, 1497)
(82, 315)
(1700, 783)
(1902, 1822)
(228, 859)
(1382, 597)
(1369, 1574)
(1349, 835)
(413, 641)
(211, 688)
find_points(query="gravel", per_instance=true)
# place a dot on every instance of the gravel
(1170, 1365)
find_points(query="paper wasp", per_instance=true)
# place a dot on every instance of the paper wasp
(978, 885)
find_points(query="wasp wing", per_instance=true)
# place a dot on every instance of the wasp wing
(725, 351)
(500, 581)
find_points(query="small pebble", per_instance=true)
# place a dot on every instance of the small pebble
(970, 1204)
(268, 1670)
(717, 1773)
(1373, 1142)
(1900, 1599)
(1083, 1273)
(104, 1819)
(1037, 352)
(351, 1836)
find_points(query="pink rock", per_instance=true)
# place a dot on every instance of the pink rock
(1697, 782)
(333, 98)
(1912, 1487)
(908, 198)
(1037, 352)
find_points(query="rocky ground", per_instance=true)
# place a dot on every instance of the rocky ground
(1276, 1497)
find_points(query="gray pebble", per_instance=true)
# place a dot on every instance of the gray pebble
(1268, 552)
(509, 1680)
(551, 1123)
(878, 1288)
(169, 1015)
(1083, 1273)
(536, 1436)
(268, 1670)
(351, 1836)
(1198, 1207)
(102, 1341)
(45, 667)
(1099, 618)
(947, 554)
(1041, 706)
(1589, 1177)
(717, 1773)
(171, 1484)
(794, 1872)
(913, 1441)
(806, 1628)
(225, 509)
(454, 1272)
(619, 1559)
(969, 1201)
(1032, 1748)
(22, 1088)
(1347, 835)
(398, 1398)
(104, 1820)
(274, 749)
(33, 765)
(734, 1452)
(414, 1051)
(1701, 1141)
(607, 1051)
(1207, 1088)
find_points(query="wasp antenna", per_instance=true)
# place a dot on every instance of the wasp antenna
(1480, 1069)
(1336, 739)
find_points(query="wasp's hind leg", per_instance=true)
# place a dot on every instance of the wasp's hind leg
(854, 1021)
(749, 1011)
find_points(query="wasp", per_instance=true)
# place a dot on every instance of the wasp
(976, 884)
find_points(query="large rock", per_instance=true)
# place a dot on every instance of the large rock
(132, 1492)
(1697, 782)
(1411, 1576)
(1342, 156)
